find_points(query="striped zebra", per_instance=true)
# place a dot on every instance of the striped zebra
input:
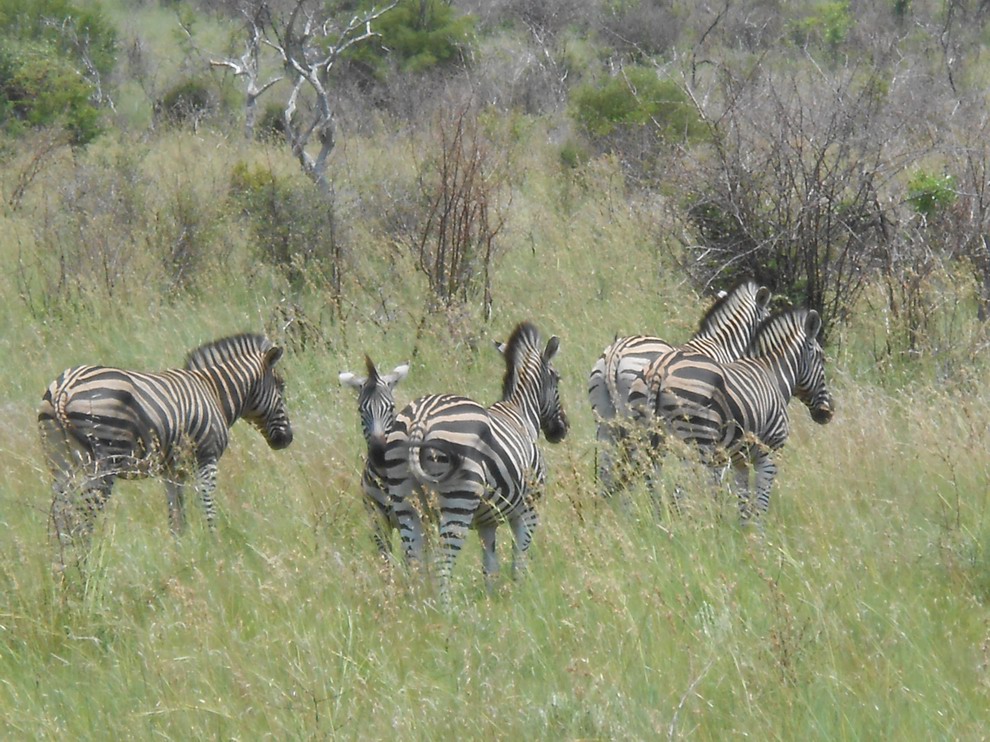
(616, 387)
(740, 408)
(376, 408)
(465, 465)
(99, 423)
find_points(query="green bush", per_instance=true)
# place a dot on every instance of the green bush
(38, 87)
(416, 36)
(74, 32)
(930, 194)
(638, 97)
(189, 101)
(828, 26)
(291, 222)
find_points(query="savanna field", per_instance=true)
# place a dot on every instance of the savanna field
(859, 612)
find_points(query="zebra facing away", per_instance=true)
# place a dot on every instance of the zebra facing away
(740, 408)
(99, 423)
(465, 465)
(617, 388)
(376, 408)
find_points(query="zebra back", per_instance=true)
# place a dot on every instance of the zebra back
(476, 466)
(726, 404)
(98, 423)
(725, 334)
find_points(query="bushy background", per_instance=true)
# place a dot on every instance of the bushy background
(599, 168)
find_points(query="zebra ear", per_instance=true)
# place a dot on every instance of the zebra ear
(397, 375)
(812, 323)
(553, 345)
(763, 296)
(351, 380)
(272, 356)
(499, 346)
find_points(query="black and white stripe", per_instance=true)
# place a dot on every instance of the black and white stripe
(618, 385)
(452, 459)
(376, 408)
(740, 408)
(99, 423)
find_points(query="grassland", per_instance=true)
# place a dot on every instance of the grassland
(860, 613)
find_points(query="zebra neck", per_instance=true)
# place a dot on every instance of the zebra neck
(525, 416)
(229, 395)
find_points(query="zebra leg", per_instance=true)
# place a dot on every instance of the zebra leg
(741, 489)
(766, 472)
(605, 455)
(453, 531)
(175, 491)
(522, 533)
(380, 527)
(410, 524)
(206, 483)
(489, 557)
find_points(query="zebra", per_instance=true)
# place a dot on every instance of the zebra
(99, 423)
(740, 408)
(470, 466)
(617, 388)
(376, 408)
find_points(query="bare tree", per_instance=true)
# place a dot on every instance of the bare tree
(248, 65)
(309, 46)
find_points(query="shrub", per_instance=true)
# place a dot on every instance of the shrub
(190, 101)
(84, 37)
(40, 88)
(929, 194)
(292, 223)
(639, 97)
(416, 36)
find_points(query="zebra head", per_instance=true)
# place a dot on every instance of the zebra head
(734, 318)
(811, 388)
(242, 368)
(265, 406)
(376, 405)
(530, 375)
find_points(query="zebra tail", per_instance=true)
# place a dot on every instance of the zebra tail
(443, 462)
(57, 399)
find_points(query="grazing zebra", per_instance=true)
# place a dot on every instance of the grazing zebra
(616, 388)
(99, 423)
(471, 466)
(740, 408)
(376, 407)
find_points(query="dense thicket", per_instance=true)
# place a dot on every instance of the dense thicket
(823, 147)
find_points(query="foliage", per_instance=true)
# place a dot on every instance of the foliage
(40, 88)
(929, 193)
(416, 35)
(292, 224)
(828, 26)
(189, 101)
(791, 195)
(637, 97)
(463, 181)
(83, 35)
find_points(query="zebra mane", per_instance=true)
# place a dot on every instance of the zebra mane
(225, 349)
(778, 330)
(707, 323)
(524, 337)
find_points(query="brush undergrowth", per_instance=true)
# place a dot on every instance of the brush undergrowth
(860, 612)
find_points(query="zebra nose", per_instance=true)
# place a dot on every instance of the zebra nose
(822, 414)
(376, 450)
(280, 439)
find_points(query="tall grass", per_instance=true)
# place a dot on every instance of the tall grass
(859, 614)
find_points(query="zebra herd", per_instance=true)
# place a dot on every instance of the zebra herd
(446, 459)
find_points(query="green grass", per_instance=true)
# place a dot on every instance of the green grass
(860, 614)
